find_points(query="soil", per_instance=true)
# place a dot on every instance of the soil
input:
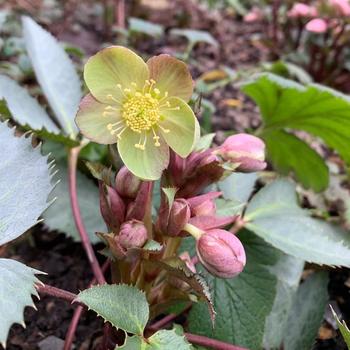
(63, 260)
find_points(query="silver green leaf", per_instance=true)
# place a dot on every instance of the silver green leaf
(195, 36)
(124, 306)
(274, 215)
(17, 284)
(59, 215)
(25, 183)
(307, 312)
(55, 72)
(288, 271)
(138, 25)
(24, 108)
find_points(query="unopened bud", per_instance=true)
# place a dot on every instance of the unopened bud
(247, 151)
(179, 215)
(221, 253)
(126, 183)
(112, 206)
(133, 234)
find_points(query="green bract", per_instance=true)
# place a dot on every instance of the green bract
(140, 106)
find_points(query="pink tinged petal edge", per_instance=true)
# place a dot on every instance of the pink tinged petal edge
(171, 75)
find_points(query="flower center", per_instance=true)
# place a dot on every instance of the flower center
(141, 112)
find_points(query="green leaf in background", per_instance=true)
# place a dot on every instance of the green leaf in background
(132, 343)
(274, 215)
(244, 302)
(25, 183)
(288, 271)
(59, 216)
(308, 166)
(307, 312)
(124, 306)
(138, 25)
(17, 284)
(236, 190)
(344, 330)
(320, 111)
(24, 108)
(55, 72)
(195, 36)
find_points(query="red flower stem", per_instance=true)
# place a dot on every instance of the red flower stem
(72, 328)
(72, 176)
(211, 343)
(77, 314)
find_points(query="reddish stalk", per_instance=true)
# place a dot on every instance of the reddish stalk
(211, 343)
(56, 292)
(76, 316)
(120, 13)
(72, 173)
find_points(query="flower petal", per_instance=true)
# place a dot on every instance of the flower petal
(111, 66)
(171, 75)
(147, 164)
(183, 127)
(92, 123)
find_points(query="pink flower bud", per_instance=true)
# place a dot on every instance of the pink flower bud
(341, 6)
(247, 151)
(133, 234)
(178, 217)
(126, 183)
(253, 16)
(300, 10)
(112, 207)
(317, 25)
(221, 253)
(185, 256)
(204, 204)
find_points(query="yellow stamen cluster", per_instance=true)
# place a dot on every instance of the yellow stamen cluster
(140, 111)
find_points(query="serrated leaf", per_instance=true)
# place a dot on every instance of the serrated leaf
(55, 73)
(274, 215)
(344, 330)
(59, 215)
(195, 36)
(307, 313)
(177, 268)
(310, 169)
(288, 271)
(124, 306)
(24, 108)
(244, 302)
(168, 340)
(161, 340)
(17, 284)
(24, 184)
(318, 110)
(138, 25)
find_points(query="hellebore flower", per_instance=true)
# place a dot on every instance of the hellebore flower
(140, 106)
(302, 10)
(342, 7)
(247, 151)
(221, 253)
(317, 25)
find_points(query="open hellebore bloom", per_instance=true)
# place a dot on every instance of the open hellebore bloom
(221, 253)
(247, 151)
(140, 106)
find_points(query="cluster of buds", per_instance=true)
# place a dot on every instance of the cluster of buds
(124, 204)
(319, 16)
